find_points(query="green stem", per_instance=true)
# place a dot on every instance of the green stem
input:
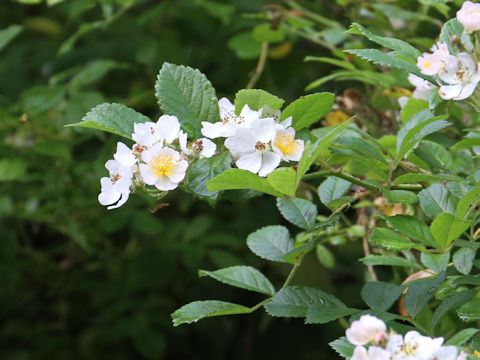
(417, 325)
(352, 179)
(292, 274)
(260, 304)
(314, 16)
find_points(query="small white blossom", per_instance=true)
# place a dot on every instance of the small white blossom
(368, 329)
(204, 147)
(124, 155)
(373, 353)
(146, 134)
(116, 188)
(462, 74)
(415, 347)
(285, 144)
(432, 64)
(168, 127)
(423, 88)
(469, 16)
(252, 147)
(163, 167)
(229, 122)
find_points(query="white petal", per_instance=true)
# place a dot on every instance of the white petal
(212, 130)
(180, 169)
(250, 162)
(182, 139)
(112, 166)
(287, 122)
(447, 353)
(169, 127)
(448, 92)
(148, 154)
(264, 129)
(449, 73)
(145, 134)
(360, 353)
(467, 91)
(124, 155)
(243, 141)
(209, 148)
(270, 162)
(225, 107)
(108, 195)
(297, 155)
(123, 200)
(148, 175)
(165, 184)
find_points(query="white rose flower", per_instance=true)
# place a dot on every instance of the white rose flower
(252, 147)
(373, 353)
(229, 120)
(124, 155)
(462, 75)
(168, 127)
(146, 134)
(415, 347)
(423, 88)
(469, 16)
(204, 147)
(368, 329)
(116, 188)
(285, 144)
(164, 168)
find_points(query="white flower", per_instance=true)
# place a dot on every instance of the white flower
(415, 347)
(146, 134)
(251, 147)
(204, 147)
(373, 353)
(285, 145)
(116, 188)
(431, 64)
(423, 88)
(124, 155)
(462, 75)
(469, 16)
(168, 127)
(164, 168)
(229, 120)
(367, 329)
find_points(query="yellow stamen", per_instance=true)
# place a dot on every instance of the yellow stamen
(286, 143)
(163, 165)
(427, 64)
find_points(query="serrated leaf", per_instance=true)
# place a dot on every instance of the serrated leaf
(446, 228)
(467, 201)
(389, 260)
(452, 303)
(331, 189)
(452, 27)
(390, 240)
(380, 295)
(188, 94)
(470, 311)
(401, 196)
(235, 179)
(436, 262)
(414, 178)
(205, 169)
(436, 199)
(284, 180)
(420, 292)
(308, 109)
(404, 48)
(463, 260)
(411, 227)
(271, 242)
(256, 99)
(299, 212)
(360, 149)
(461, 338)
(8, 34)
(343, 347)
(115, 118)
(412, 107)
(322, 314)
(202, 309)
(294, 301)
(245, 277)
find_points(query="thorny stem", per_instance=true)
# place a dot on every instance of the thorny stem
(260, 66)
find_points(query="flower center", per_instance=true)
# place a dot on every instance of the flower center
(260, 145)
(115, 178)
(232, 118)
(286, 143)
(197, 145)
(163, 165)
(427, 64)
(409, 349)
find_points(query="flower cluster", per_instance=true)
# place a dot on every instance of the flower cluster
(369, 330)
(257, 140)
(159, 157)
(456, 75)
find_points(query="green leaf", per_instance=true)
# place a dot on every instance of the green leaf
(294, 301)
(235, 179)
(202, 309)
(245, 277)
(403, 48)
(389, 260)
(453, 302)
(39, 99)
(284, 180)
(452, 27)
(325, 256)
(411, 227)
(311, 152)
(380, 295)
(401, 196)
(263, 32)
(322, 314)
(446, 228)
(418, 132)
(412, 107)
(461, 338)
(94, 71)
(390, 240)
(244, 45)
(205, 169)
(466, 143)
(470, 311)
(436, 262)
(467, 201)
(331, 189)
(271, 242)
(420, 292)
(414, 178)
(307, 110)
(381, 58)
(187, 94)
(256, 99)
(12, 169)
(299, 212)
(336, 62)
(115, 118)
(343, 347)
(8, 34)
(436, 199)
(361, 149)
(463, 260)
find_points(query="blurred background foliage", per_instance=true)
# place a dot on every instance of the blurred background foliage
(79, 281)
